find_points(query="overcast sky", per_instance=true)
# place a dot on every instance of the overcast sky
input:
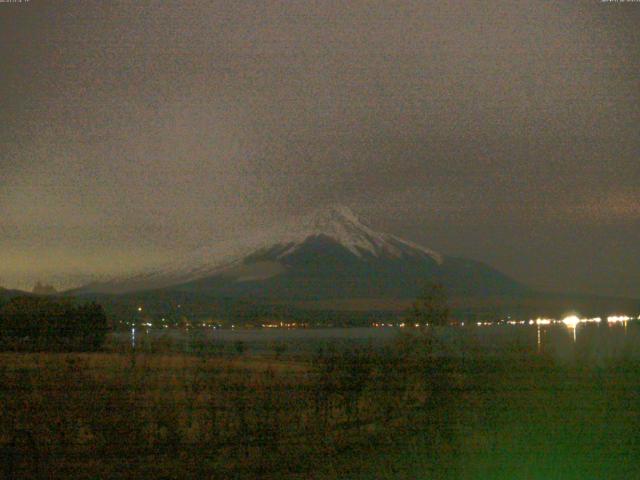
(502, 131)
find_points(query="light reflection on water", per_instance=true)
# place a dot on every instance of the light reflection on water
(561, 340)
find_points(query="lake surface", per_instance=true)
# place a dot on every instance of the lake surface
(584, 341)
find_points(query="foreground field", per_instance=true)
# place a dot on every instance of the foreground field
(359, 414)
(117, 415)
(524, 419)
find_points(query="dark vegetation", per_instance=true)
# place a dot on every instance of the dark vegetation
(44, 324)
(205, 415)
(430, 308)
(359, 413)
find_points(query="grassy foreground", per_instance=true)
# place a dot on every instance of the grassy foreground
(396, 413)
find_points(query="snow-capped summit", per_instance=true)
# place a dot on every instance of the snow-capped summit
(342, 226)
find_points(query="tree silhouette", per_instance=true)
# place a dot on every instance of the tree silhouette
(52, 324)
(431, 307)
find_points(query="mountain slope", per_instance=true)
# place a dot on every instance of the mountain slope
(328, 255)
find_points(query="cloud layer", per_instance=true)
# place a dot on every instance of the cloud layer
(507, 133)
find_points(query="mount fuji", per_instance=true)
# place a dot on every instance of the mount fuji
(328, 255)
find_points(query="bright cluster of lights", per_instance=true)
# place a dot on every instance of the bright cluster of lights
(209, 325)
(401, 325)
(574, 320)
(283, 325)
(544, 321)
(570, 321)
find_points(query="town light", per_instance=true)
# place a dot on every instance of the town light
(571, 321)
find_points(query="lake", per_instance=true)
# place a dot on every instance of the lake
(562, 342)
